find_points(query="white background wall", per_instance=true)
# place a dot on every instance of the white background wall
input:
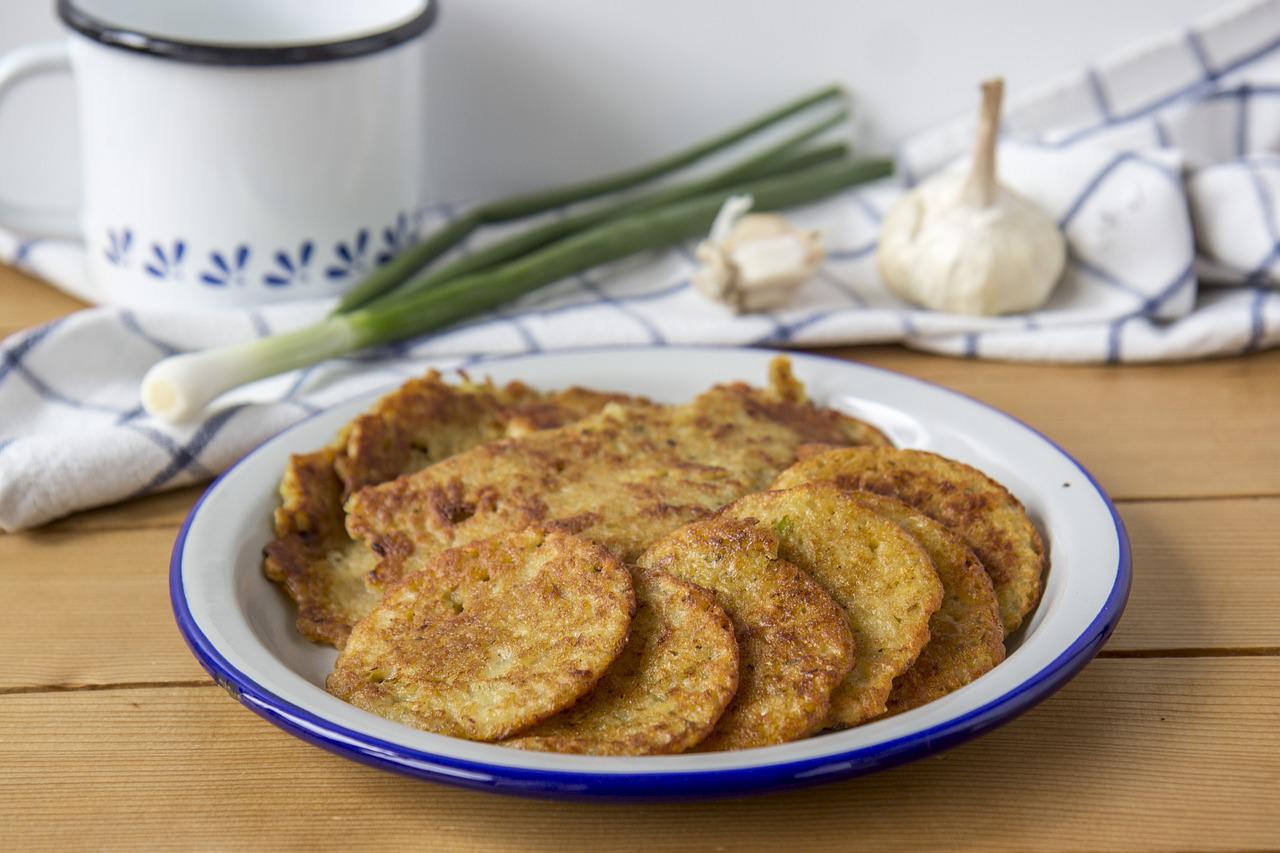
(523, 94)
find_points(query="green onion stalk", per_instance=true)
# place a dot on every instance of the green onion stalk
(179, 387)
(415, 258)
(788, 156)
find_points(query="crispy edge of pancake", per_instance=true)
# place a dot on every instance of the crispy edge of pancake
(427, 419)
(321, 567)
(667, 689)
(876, 571)
(966, 635)
(794, 641)
(787, 401)
(990, 520)
(560, 408)
(490, 638)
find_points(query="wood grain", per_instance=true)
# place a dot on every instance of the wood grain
(1204, 577)
(164, 510)
(1133, 755)
(26, 302)
(89, 608)
(1147, 431)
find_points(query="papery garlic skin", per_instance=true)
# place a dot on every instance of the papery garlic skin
(941, 253)
(755, 262)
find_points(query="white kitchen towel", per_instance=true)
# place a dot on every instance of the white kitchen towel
(1156, 163)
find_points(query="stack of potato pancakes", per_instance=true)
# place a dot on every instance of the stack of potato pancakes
(589, 572)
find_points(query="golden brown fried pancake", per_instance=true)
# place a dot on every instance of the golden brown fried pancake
(557, 408)
(623, 477)
(668, 687)
(981, 511)
(490, 638)
(319, 565)
(426, 420)
(423, 421)
(794, 642)
(875, 570)
(966, 637)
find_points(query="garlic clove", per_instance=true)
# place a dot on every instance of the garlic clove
(713, 275)
(755, 262)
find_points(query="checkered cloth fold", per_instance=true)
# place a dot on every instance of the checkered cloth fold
(1157, 164)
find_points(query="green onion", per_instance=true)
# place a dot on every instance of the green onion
(397, 316)
(180, 386)
(418, 256)
(786, 156)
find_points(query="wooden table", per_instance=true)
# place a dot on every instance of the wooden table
(112, 737)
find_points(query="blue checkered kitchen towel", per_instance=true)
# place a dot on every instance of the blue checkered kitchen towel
(1157, 163)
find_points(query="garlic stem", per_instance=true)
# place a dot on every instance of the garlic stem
(980, 189)
(735, 207)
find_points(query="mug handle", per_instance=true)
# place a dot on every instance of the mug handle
(15, 66)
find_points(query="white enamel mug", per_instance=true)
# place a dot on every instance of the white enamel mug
(237, 152)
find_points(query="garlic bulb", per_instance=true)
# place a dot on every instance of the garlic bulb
(967, 245)
(754, 262)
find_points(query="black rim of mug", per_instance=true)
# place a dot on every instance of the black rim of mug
(213, 53)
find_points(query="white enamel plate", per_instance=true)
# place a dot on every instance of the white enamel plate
(240, 626)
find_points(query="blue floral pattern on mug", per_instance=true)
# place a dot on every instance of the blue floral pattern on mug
(226, 271)
(351, 260)
(290, 269)
(396, 238)
(166, 265)
(235, 266)
(118, 244)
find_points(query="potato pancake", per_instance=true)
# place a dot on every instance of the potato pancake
(794, 642)
(321, 568)
(966, 637)
(623, 477)
(979, 510)
(874, 569)
(425, 420)
(665, 691)
(490, 638)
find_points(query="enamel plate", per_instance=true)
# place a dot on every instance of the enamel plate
(240, 626)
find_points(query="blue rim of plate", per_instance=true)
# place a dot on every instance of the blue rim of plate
(684, 785)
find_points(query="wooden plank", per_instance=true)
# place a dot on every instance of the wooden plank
(1204, 575)
(90, 607)
(26, 301)
(1133, 755)
(1176, 430)
(166, 510)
